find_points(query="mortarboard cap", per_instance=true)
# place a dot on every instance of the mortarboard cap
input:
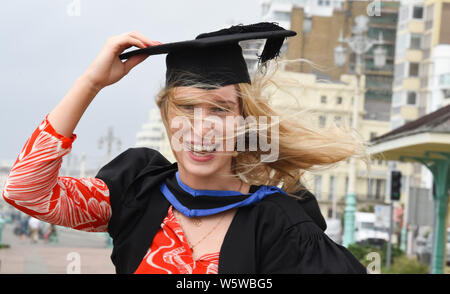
(216, 57)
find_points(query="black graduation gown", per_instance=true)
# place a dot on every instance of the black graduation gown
(279, 234)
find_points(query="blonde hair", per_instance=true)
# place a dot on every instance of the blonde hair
(303, 146)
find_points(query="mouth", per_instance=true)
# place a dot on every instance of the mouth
(201, 150)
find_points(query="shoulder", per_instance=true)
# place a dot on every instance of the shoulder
(292, 209)
(126, 168)
(130, 163)
(129, 176)
(140, 153)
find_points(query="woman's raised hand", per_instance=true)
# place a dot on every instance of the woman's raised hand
(108, 68)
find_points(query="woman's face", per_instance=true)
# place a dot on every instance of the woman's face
(204, 149)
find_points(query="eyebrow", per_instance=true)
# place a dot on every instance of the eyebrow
(225, 102)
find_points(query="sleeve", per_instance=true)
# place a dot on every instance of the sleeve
(34, 187)
(291, 242)
(121, 173)
(318, 254)
(306, 249)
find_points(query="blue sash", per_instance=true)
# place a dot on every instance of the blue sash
(192, 202)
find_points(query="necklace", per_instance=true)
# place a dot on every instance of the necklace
(206, 235)
(197, 221)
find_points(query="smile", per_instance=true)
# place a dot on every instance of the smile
(200, 150)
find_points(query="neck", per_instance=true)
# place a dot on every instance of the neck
(217, 181)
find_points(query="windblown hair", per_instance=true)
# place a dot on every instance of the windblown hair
(302, 144)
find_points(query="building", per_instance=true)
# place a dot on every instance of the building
(153, 135)
(439, 78)
(279, 11)
(422, 67)
(332, 101)
(318, 35)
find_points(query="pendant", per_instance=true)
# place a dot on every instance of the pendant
(196, 221)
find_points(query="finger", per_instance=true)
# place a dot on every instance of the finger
(133, 61)
(124, 42)
(153, 43)
(141, 37)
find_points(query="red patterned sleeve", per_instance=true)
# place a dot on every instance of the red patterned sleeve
(34, 187)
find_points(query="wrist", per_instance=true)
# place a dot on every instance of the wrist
(89, 84)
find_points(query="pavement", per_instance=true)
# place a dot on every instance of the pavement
(75, 252)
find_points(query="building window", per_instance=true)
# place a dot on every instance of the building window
(330, 213)
(444, 80)
(378, 190)
(370, 188)
(339, 100)
(338, 119)
(307, 25)
(416, 42)
(411, 98)
(417, 12)
(323, 99)
(324, 2)
(413, 69)
(322, 121)
(346, 185)
(446, 93)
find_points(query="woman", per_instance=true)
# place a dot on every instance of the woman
(217, 209)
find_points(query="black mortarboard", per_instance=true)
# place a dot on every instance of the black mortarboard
(216, 57)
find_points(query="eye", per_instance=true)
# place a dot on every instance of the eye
(186, 107)
(220, 109)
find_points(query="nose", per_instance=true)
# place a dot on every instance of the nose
(199, 125)
(203, 124)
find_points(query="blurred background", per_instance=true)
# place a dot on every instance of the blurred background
(381, 67)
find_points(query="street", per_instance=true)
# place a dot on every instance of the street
(75, 252)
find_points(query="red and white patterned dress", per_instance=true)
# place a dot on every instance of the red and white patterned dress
(34, 187)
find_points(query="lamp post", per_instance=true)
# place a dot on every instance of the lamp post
(359, 43)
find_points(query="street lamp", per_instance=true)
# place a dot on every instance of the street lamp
(359, 44)
(379, 57)
(340, 55)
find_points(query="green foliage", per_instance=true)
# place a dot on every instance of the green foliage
(406, 265)
(370, 209)
(360, 251)
(400, 263)
(4, 246)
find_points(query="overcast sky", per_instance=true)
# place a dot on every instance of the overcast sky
(46, 45)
